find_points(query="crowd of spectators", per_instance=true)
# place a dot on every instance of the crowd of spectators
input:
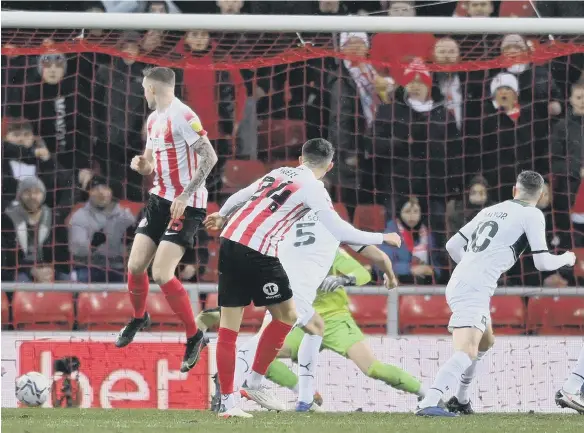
(429, 145)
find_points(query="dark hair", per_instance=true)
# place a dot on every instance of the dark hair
(160, 74)
(317, 152)
(531, 182)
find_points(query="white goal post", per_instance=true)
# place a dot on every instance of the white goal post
(287, 23)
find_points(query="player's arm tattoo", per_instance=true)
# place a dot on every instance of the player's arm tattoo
(208, 160)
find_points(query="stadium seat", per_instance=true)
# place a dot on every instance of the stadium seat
(556, 316)
(423, 314)
(238, 174)
(579, 266)
(134, 206)
(579, 203)
(5, 310)
(508, 315)
(342, 211)
(370, 217)
(212, 301)
(43, 311)
(211, 274)
(103, 311)
(163, 318)
(281, 134)
(370, 312)
(252, 318)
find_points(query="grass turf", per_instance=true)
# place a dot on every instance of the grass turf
(155, 421)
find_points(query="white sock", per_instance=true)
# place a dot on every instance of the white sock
(228, 400)
(423, 391)
(307, 362)
(244, 359)
(575, 380)
(466, 380)
(447, 378)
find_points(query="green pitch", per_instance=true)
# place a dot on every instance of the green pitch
(154, 421)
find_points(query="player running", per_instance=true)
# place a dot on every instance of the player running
(263, 213)
(341, 335)
(181, 157)
(572, 393)
(484, 249)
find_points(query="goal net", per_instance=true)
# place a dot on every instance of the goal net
(428, 128)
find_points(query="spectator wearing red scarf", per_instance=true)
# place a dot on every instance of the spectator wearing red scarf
(415, 261)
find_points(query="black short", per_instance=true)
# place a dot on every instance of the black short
(246, 275)
(158, 226)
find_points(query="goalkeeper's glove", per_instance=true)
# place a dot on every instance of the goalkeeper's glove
(331, 283)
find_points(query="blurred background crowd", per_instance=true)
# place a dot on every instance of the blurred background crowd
(429, 129)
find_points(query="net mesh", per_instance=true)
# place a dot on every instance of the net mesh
(412, 116)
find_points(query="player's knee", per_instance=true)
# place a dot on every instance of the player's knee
(136, 267)
(470, 349)
(160, 275)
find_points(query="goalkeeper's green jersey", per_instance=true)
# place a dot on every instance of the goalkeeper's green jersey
(336, 303)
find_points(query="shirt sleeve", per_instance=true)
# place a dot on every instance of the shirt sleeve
(239, 198)
(356, 248)
(346, 265)
(318, 200)
(534, 226)
(190, 127)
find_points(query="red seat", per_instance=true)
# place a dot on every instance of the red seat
(211, 274)
(423, 314)
(556, 316)
(103, 311)
(5, 310)
(579, 203)
(252, 318)
(163, 318)
(43, 310)
(212, 301)
(342, 211)
(134, 206)
(370, 312)
(281, 133)
(370, 217)
(508, 314)
(516, 8)
(238, 174)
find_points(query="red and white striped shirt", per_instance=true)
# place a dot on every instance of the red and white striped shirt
(271, 205)
(171, 136)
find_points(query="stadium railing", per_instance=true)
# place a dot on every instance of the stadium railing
(392, 296)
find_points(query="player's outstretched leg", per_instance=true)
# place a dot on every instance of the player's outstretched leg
(313, 326)
(143, 251)
(466, 342)
(571, 395)
(361, 354)
(166, 260)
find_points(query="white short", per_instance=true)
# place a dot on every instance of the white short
(470, 306)
(304, 282)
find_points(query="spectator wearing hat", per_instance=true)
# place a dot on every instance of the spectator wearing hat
(26, 155)
(97, 235)
(357, 90)
(501, 145)
(421, 137)
(32, 247)
(56, 101)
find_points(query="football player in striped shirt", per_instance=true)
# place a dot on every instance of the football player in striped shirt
(181, 156)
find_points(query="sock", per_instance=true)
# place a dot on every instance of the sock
(466, 379)
(307, 363)
(575, 380)
(179, 301)
(244, 359)
(280, 374)
(394, 377)
(447, 378)
(225, 358)
(138, 288)
(271, 340)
